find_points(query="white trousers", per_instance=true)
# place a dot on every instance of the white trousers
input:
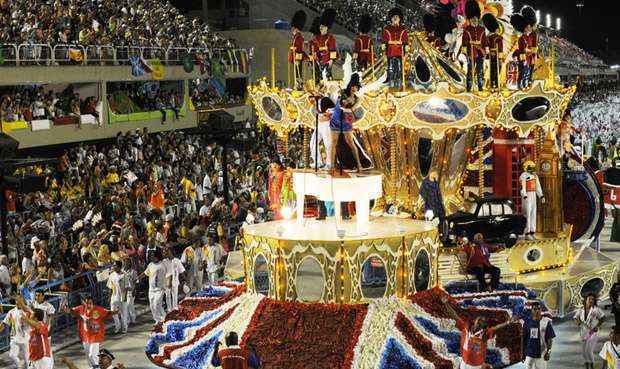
(324, 135)
(120, 319)
(172, 297)
(212, 278)
(529, 210)
(587, 349)
(92, 354)
(18, 352)
(131, 309)
(44, 363)
(535, 363)
(156, 302)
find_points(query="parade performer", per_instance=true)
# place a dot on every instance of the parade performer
(363, 48)
(324, 46)
(526, 49)
(323, 134)
(496, 48)
(117, 284)
(91, 327)
(296, 54)
(529, 45)
(395, 42)
(433, 201)
(530, 191)
(342, 120)
(39, 347)
(15, 320)
(193, 260)
(473, 45)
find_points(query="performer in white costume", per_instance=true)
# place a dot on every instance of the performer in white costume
(323, 133)
(530, 190)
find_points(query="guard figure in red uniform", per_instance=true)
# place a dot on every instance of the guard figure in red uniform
(496, 48)
(474, 44)
(528, 47)
(324, 46)
(233, 356)
(296, 54)
(363, 48)
(395, 40)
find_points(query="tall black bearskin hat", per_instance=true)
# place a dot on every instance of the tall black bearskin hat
(355, 81)
(328, 17)
(299, 20)
(530, 15)
(395, 11)
(365, 24)
(429, 23)
(490, 22)
(518, 22)
(472, 9)
(325, 104)
(314, 28)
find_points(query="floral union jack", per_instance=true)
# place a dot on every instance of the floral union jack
(390, 333)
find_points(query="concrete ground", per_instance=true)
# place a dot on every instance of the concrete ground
(129, 348)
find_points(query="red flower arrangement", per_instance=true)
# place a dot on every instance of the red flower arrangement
(305, 336)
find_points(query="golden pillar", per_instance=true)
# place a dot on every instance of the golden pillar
(549, 218)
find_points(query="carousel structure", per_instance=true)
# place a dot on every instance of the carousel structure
(312, 296)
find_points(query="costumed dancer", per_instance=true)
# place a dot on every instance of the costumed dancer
(473, 45)
(296, 54)
(363, 48)
(530, 191)
(342, 120)
(323, 134)
(395, 40)
(496, 48)
(325, 46)
(117, 284)
(433, 201)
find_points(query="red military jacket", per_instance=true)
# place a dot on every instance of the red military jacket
(495, 44)
(324, 48)
(296, 49)
(474, 41)
(395, 39)
(362, 47)
(528, 47)
(233, 358)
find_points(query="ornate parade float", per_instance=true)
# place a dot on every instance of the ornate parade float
(311, 296)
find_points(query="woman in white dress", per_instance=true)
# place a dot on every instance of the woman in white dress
(589, 320)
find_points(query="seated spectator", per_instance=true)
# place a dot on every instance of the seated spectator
(478, 262)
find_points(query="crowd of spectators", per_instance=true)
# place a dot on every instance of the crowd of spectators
(27, 103)
(572, 56)
(103, 22)
(133, 97)
(116, 201)
(594, 109)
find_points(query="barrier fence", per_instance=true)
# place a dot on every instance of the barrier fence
(64, 54)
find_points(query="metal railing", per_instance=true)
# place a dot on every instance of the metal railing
(70, 54)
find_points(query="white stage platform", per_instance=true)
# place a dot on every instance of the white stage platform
(328, 230)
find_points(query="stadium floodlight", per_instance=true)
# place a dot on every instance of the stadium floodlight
(548, 20)
(537, 16)
(558, 23)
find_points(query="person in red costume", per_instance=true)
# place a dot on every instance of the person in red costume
(91, 327)
(363, 48)
(474, 45)
(496, 48)
(233, 356)
(324, 50)
(395, 41)
(296, 54)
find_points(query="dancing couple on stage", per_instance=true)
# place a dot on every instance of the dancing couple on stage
(335, 131)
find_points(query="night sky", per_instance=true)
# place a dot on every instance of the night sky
(597, 23)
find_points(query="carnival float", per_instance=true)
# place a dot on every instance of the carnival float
(310, 298)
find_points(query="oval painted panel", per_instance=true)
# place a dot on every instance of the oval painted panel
(531, 109)
(272, 108)
(440, 111)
